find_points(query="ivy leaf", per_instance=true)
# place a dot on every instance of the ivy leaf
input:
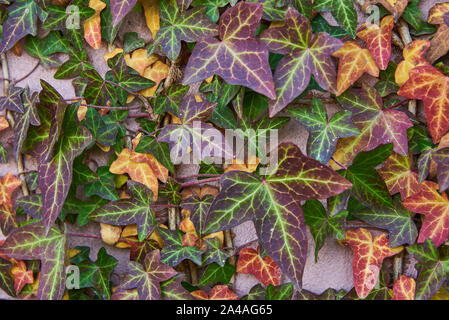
(219, 292)
(34, 242)
(132, 42)
(412, 15)
(414, 56)
(434, 205)
(429, 84)
(198, 208)
(147, 277)
(120, 8)
(213, 253)
(264, 269)
(368, 256)
(6, 280)
(104, 187)
(305, 54)
(368, 187)
(193, 110)
(273, 204)
(92, 26)
(387, 85)
(280, 292)
(398, 175)
(174, 252)
(55, 175)
(397, 220)
(212, 8)
(324, 133)
(129, 211)
(215, 273)
(22, 20)
(441, 157)
(377, 125)
(97, 274)
(319, 24)
(323, 225)
(354, 61)
(159, 150)
(343, 11)
(404, 288)
(256, 293)
(432, 268)
(378, 40)
(329, 294)
(172, 100)
(97, 91)
(45, 48)
(177, 25)
(104, 133)
(246, 60)
(58, 16)
(172, 289)
(438, 45)
(12, 101)
(29, 116)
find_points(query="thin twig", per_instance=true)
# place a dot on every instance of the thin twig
(194, 183)
(339, 164)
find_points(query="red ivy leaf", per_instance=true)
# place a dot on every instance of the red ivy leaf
(22, 276)
(239, 58)
(404, 289)
(264, 269)
(368, 257)
(220, 292)
(378, 40)
(432, 87)
(435, 206)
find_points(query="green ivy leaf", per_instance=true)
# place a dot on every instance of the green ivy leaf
(215, 273)
(174, 252)
(324, 133)
(342, 10)
(104, 187)
(36, 242)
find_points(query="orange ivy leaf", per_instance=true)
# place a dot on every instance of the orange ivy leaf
(413, 57)
(264, 269)
(219, 292)
(354, 61)
(157, 72)
(435, 206)
(4, 124)
(8, 184)
(368, 257)
(378, 40)
(21, 275)
(190, 236)
(439, 45)
(404, 289)
(398, 175)
(139, 60)
(141, 167)
(92, 26)
(239, 165)
(432, 87)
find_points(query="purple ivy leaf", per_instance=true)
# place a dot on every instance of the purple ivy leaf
(239, 58)
(120, 8)
(305, 54)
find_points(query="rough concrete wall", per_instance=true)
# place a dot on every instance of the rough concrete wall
(333, 268)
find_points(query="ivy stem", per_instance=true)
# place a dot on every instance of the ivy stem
(83, 235)
(339, 164)
(140, 115)
(74, 100)
(194, 183)
(397, 104)
(199, 176)
(164, 206)
(10, 118)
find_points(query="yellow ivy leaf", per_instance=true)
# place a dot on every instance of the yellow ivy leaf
(139, 60)
(92, 26)
(151, 10)
(112, 54)
(157, 72)
(4, 124)
(110, 234)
